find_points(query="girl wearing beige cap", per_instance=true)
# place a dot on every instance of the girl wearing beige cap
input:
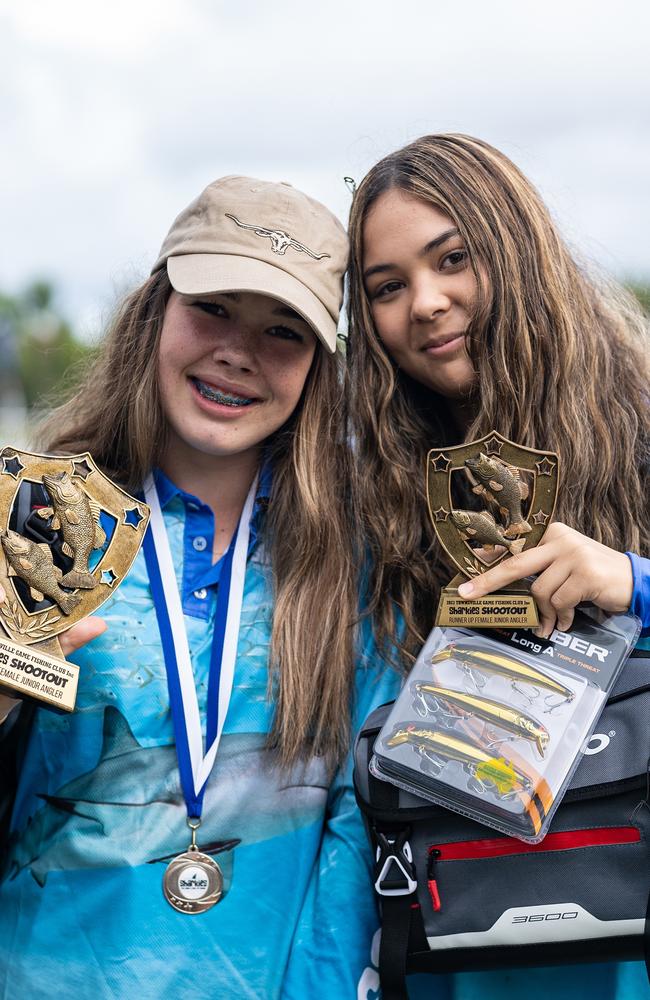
(468, 314)
(191, 828)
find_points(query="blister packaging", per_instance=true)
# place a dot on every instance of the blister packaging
(492, 723)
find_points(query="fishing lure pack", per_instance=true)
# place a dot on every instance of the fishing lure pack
(491, 724)
(455, 895)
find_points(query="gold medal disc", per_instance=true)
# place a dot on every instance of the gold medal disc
(193, 882)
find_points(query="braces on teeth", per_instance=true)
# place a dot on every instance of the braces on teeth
(221, 397)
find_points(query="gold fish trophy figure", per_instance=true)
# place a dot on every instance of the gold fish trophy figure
(514, 490)
(68, 536)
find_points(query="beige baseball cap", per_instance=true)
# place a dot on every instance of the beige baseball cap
(245, 235)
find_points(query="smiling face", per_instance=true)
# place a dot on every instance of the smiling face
(232, 368)
(422, 290)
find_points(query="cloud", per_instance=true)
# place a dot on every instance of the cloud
(116, 115)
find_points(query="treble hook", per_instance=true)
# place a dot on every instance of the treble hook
(433, 763)
(551, 708)
(478, 679)
(527, 697)
(477, 786)
(422, 709)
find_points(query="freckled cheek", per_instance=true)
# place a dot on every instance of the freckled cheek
(168, 375)
(174, 346)
(287, 387)
(288, 384)
(163, 371)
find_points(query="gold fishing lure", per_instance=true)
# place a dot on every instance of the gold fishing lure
(485, 769)
(473, 757)
(497, 663)
(494, 712)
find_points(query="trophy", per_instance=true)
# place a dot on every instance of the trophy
(484, 496)
(68, 536)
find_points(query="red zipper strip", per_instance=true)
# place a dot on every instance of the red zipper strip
(466, 850)
(471, 850)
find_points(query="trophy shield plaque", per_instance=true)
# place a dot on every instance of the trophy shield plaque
(68, 536)
(485, 497)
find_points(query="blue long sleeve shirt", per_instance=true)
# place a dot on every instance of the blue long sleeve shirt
(99, 803)
(640, 603)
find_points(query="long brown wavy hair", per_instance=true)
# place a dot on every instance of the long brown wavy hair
(561, 361)
(116, 414)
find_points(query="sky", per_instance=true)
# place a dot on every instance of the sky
(114, 116)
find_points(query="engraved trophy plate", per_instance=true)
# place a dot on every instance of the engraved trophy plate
(68, 536)
(482, 495)
(193, 882)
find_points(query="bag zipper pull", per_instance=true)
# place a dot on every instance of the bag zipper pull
(434, 854)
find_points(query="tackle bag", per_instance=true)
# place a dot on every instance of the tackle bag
(458, 896)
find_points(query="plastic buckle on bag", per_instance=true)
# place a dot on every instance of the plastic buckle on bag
(394, 870)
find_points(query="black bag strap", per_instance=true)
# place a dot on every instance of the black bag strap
(397, 914)
(395, 884)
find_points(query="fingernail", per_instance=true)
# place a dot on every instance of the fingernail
(466, 589)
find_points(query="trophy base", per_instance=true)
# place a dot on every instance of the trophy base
(512, 607)
(29, 673)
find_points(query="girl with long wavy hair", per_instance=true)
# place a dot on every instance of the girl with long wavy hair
(218, 393)
(469, 314)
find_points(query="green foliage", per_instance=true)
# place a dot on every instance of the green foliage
(642, 293)
(41, 355)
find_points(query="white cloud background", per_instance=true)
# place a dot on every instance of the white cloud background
(113, 116)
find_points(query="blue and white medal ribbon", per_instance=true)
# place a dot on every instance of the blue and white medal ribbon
(193, 881)
(194, 764)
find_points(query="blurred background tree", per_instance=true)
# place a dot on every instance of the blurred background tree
(40, 357)
(43, 350)
(642, 293)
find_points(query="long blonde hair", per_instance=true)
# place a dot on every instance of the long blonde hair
(562, 363)
(117, 416)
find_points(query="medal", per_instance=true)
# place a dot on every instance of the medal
(193, 881)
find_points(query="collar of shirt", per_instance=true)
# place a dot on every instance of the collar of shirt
(200, 576)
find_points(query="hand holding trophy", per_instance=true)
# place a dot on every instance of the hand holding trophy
(508, 512)
(68, 536)
(570, 568)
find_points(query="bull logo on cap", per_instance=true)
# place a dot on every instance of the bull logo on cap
(280, 241)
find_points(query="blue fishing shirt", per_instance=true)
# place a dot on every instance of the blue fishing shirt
(99, 801)
(640, 604)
